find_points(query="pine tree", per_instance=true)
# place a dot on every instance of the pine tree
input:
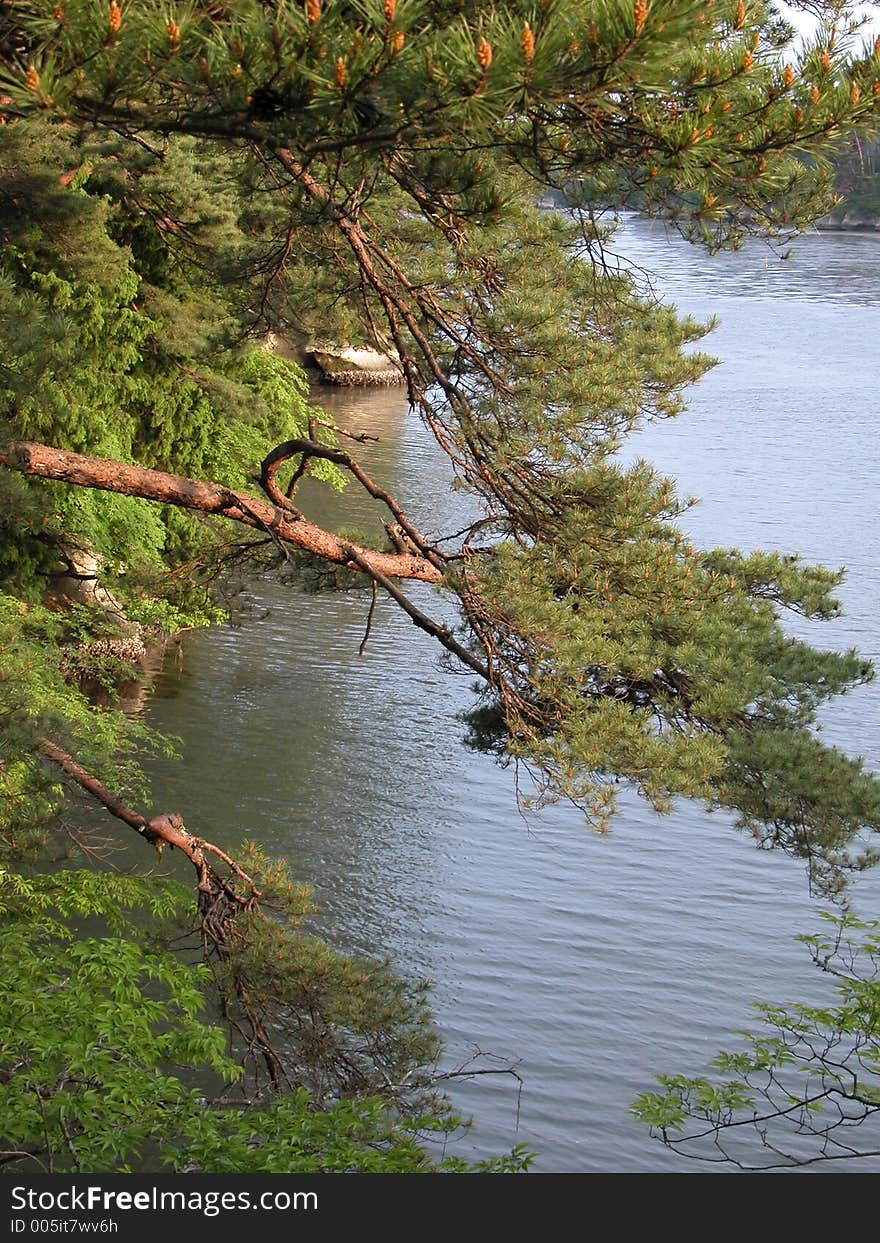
(398, 155)
(369, 173)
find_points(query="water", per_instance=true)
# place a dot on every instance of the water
(590, 963)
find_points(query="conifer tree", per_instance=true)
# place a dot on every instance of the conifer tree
(369, 172)
(398, 152)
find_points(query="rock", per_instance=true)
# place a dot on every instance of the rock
(352, 365)
(851, 221)
(130, 648)
(77, 578)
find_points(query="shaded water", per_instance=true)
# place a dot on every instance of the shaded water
(591, 962)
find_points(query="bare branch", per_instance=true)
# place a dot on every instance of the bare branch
(282, 521)
(313, 448)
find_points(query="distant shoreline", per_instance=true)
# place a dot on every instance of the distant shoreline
(863, 227)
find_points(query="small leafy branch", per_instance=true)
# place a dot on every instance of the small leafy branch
(805, 1089)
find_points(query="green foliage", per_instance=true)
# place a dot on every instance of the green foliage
(88, 1025)
(346, 1027)
(106, 349)
(176, 181)
(617, 650)
(631, 654)
(684, 103)
(115, 342)
(100, 1037)
(792, 791)
(169, 617)
(804, 1088)
(39, 698)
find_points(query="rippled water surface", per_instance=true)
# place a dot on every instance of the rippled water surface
(592, 963)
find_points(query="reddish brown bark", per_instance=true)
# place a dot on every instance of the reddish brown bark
(159, 831)
(46, 462)
(222, 898)
(309, 448)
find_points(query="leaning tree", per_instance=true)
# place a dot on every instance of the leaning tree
(369, 172)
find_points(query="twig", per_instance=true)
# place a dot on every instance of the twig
(369, 618)
(420, 619)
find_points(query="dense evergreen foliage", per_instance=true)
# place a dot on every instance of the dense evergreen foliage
(112, 344)
(176, 183)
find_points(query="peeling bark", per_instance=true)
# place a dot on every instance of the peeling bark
(46, 462)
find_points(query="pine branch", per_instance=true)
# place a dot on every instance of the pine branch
(45, 462)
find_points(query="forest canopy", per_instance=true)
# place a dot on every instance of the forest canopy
(181, 185)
